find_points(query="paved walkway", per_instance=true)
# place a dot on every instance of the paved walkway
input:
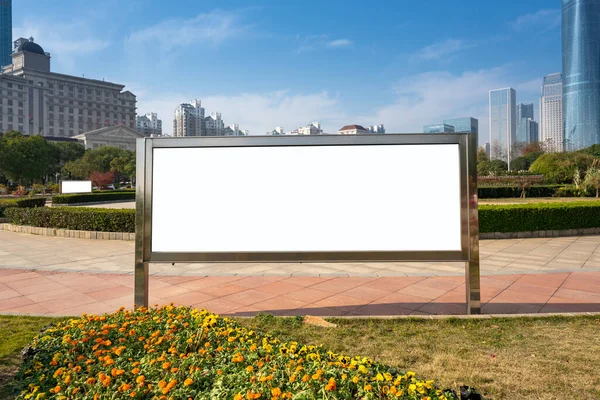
(62, 276)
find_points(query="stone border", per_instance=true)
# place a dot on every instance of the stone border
(92, 203)
(34, 230)
(540, 234)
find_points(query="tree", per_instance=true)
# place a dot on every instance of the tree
(593, 150)
(592, 177)
(124, 166)
(533, 147)
(93, 160)
(494, 167)
(102, 179)
(524, 162)
(26, 159)
(561, 167)
(482, 156)
(67, 151)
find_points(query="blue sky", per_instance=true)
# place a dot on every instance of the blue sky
(282, 63)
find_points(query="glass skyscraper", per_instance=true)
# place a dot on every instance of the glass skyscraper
(464, 125)
(551, 111)
(581, 73)
(503, 123)
(5, 32)
(524, 112)
(438, 128)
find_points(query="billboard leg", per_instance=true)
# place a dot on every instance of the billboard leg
(473, 287)
(141, 285)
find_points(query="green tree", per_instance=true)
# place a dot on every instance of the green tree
(26, 159)
(124, 166)
(93, 160)
(593, 150)
(482, 156)
(494, 167)
(67, 151)
(524, 162)
(592, 177)
(561, 167)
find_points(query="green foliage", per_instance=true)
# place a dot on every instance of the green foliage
(20, 203)
(26, 159)
(67, 152)
(94, 197)
(94, 160)
(593, 150)
(560, 167)
(84, 219)
(524, 162)
(494, 167)
(538, 217)
(500, 192)
(571, 191)
(124, 166)
(592, 178)
(482, 156)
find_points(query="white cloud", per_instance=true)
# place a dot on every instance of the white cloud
(65, 41)
(214, 27)
(543, 19)
(340, 43)
(439, 50)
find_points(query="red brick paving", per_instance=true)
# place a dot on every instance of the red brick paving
(58, 293)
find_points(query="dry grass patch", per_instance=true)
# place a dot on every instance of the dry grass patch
(505, 358)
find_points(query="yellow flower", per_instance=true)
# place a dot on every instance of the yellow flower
(368, 387)
(188, 382)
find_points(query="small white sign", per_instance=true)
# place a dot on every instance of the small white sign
(70, 187)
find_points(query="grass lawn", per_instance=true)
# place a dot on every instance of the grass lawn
(520, 358)
(530, 200)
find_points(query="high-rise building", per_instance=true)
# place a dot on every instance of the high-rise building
(149, 124)
(524, 113)
(379, 129)
(503, 123)
(5, 32)
(36, 101)
(438, 128)
(213, 125)
(551, 113)
(189, 119)
(464, 125)
(581, 73)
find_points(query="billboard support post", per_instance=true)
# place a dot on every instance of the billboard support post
(141, 273)
(472, 273)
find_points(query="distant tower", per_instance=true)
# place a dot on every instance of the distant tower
(503, 123)
(581, 73)
(524, 113)
(5, 32)
(551, 112)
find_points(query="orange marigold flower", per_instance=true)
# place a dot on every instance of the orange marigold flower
(306, 378)
(188, 382)
(331, 385)
(276, 392)
(135, 371)
(132, 394)
(250, 368)
(91, 381)
(140, 379)
(238, 397)
(166, 365)
(162, 384)
(56, 389)
(368, 387)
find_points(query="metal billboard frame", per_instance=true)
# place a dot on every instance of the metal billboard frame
(469, 252)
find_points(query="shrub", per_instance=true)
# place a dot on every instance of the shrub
(183, 353)
(560, 167)
(94, 197)
(20, 203)
(498, 192)
(539, 217)
(85, 219)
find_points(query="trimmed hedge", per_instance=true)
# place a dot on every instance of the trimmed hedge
(94, 197)
(20, 203)
(539, 217)
(498, 192)
(83, 219)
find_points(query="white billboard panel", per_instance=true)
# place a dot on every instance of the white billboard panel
(67, 187)
(334, 198)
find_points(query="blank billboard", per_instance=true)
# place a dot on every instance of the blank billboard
(75, 187)
(322, 198)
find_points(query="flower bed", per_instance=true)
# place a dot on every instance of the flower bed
(181, 353)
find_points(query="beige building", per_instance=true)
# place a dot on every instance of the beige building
(354, 130)
(189, 119)
(117, 136)
(36, 101)
(149, 124)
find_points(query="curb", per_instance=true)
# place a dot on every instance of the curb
(69, 233)
(540, 234)
(92, 203)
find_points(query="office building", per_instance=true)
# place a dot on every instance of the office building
(581, 73)
(115, 136)
(551, 113)
(36, 101)
(5, 32)
(438, 128)
(189, 118)
(524, 113)
(379, 129)
(149, 124)
(503, 123)
(463, 125)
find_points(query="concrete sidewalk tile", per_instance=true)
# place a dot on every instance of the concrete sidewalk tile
(308, 294)
(280, 287)
(29, 309)
(223, 289)
(423, 291)
(366, 293)
(186, 298)
(511, 308)
(248, 297)
(380, 310)
(340, 284)
(14, 302)
(253, 282)
(66, 302)
(112, 293)
(13, 277)
(403, 300)
(279, 304)
(219, 306)
(9, 293)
